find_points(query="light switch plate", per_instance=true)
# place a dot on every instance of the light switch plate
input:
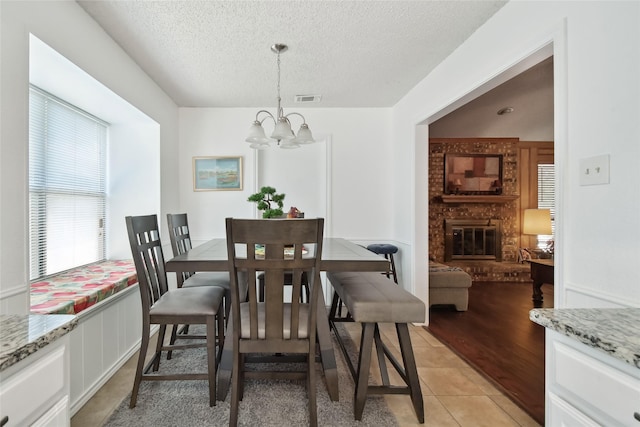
(594, 170)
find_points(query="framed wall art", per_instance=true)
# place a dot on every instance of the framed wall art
(473, 174)
(217, 173)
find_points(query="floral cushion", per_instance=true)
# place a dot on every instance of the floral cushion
(75, 290)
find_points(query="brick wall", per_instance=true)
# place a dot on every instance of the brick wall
(506, 212)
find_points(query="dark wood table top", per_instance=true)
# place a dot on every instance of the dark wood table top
(542, 261)
(337, 255)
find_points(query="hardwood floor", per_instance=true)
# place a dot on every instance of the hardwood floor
(496, 337)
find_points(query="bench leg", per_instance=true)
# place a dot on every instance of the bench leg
(381, 358)
(364, 363)
(411, 371)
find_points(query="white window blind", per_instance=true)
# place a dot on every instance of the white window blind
(67, 162)
(546, 198)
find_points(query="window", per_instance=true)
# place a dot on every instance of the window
(67, 191)
(546, 198)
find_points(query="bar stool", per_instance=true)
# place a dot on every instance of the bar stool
(387, 250)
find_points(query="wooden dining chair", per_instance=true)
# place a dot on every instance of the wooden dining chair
(180, 244)
(275, 325)
(161, 306)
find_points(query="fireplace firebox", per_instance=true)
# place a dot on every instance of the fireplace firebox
(472, 239)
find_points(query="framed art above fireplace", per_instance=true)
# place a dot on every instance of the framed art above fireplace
(473, 174)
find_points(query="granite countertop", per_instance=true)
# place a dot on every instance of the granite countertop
(615, 331)
(22, 335)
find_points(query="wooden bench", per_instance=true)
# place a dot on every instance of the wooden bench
(372, 298)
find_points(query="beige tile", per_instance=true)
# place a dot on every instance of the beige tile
(487, 386)
(476, 411)
(435, 414)
(521, 417)
(437, 357)
(430, 338)
(449, 382)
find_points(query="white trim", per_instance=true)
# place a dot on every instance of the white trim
(10, 292)
(553, 42)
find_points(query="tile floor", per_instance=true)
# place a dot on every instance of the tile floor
(454, 394)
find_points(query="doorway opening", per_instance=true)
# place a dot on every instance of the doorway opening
(528, 91)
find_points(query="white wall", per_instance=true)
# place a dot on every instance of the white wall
(358, 147)
(70, 31)
(596, 47)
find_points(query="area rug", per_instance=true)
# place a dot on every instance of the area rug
(265, 403)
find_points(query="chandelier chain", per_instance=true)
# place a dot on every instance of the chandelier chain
(279, 99)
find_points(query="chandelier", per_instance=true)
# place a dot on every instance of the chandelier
(282, 132)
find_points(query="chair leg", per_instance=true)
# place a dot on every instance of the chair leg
(235, 389)
(220, 334)
(311, 387)
(211, 358)
(393, 268)
(159, 344)
(174, 334)
(144, 345)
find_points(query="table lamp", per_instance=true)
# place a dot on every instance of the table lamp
(537, 222)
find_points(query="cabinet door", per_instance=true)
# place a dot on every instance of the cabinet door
(562, 414)
(35, 386)
(56, 416)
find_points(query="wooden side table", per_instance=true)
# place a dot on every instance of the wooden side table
(541, 272)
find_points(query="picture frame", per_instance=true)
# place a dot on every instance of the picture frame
(473, 174)
(217, 173)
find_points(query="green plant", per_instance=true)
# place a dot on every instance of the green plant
(265, 198)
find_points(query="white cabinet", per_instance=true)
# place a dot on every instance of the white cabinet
(35, 391)
(587, 387)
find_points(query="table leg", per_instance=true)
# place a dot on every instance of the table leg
(226, 361)
(327, 356)
(537, 293)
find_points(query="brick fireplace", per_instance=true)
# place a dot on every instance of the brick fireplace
(473, 240)
(482, 231)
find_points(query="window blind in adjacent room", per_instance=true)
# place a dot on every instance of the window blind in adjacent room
(546, 197)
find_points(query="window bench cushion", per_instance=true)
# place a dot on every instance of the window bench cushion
(75, 290)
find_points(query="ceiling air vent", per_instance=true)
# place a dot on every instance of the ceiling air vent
(307, 98)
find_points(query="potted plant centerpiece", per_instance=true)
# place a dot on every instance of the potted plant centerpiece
(270, 202)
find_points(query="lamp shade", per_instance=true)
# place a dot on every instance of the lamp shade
(256, 134)
(304, 135)
(282, 130)
(289, 144)
(537, 222)
(259, 145)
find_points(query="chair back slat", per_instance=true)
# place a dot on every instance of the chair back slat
(146, 249)
(180, 240)
(275, 247)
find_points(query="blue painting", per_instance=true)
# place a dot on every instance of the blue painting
(217, 173)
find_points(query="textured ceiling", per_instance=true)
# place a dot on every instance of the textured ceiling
(352, 53)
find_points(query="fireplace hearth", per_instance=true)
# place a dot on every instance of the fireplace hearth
(473, 239)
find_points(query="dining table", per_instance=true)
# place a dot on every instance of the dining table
(338, 254)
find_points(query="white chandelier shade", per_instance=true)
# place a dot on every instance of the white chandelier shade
(282, 132)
